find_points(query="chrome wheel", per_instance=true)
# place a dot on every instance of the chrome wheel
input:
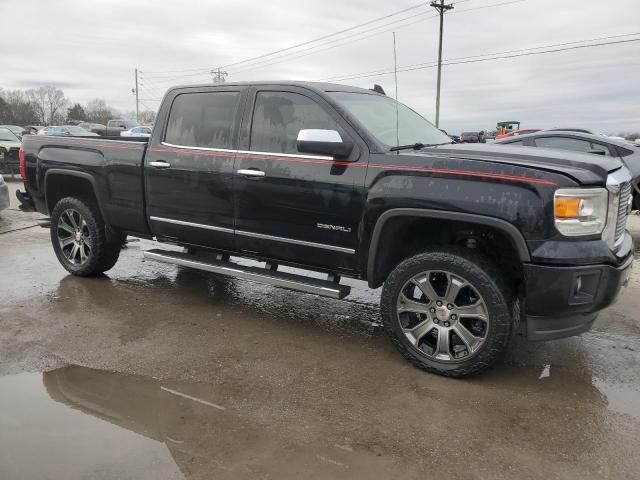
(74, 237)
(443, 316)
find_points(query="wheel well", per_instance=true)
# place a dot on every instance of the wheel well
(402, 237)
(60, 186)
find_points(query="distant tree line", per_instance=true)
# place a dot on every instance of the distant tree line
(48, 105)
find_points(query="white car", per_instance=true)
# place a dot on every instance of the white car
(4, 194)
(137, 132)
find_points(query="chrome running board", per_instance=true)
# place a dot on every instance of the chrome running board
(291, 281)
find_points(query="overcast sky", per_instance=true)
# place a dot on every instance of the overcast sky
(90, 48)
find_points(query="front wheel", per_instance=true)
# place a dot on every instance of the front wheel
(83, 243)
(448, 312)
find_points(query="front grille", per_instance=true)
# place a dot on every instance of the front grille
(623, 209)
(10, 160)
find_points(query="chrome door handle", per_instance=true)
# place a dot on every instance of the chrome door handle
(160, 164)
(251, 173)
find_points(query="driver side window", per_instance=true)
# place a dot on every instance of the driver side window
(278, 117)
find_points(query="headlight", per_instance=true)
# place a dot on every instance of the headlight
(580, 211)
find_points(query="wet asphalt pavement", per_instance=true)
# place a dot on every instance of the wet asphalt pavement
(157, 372)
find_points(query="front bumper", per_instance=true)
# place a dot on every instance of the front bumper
(563, 301)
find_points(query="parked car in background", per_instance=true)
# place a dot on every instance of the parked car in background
(44, 130)
(455, 138)
(515, 133)
(9, 147)
(586, 143)
(114, 127)
(70, 130)
(17, 130)
(469, 137)
(4, 194)
(33, 129)
(137, 132)
(94, 127)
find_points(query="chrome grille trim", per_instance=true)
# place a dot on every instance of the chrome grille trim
(619, 186)
(623, 210)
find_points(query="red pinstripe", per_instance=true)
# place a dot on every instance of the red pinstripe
(257, 156)
(442, 171)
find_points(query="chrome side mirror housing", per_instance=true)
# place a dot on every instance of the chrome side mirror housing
(323, 142)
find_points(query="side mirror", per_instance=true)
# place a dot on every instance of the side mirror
(597, 152)
(323, 142)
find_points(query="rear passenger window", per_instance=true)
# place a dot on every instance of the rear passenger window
(278, 117)
(203, 119)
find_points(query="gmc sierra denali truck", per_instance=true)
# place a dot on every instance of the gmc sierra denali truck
(471, 243)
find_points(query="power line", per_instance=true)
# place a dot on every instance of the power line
(313, 49)
(410, 68)
(262, 60)
(308, 42)
(341, 41)
(373, 72)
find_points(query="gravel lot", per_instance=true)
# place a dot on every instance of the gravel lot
(156, 372)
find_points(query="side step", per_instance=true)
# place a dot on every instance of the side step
(254, 274)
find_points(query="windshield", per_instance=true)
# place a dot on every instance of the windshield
(7, 135)
(378, 114)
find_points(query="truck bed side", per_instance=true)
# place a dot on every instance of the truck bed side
(110, 170)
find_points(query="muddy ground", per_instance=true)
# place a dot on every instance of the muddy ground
(157, 372)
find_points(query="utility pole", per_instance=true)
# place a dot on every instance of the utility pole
(441, 8)
(219, 76)
(137, 96)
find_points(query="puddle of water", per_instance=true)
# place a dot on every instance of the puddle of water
(621, 398)
(50, 429)
(80, 423)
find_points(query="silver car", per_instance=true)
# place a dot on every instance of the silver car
(4, 194)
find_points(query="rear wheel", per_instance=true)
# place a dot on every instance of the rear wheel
(448, 312)
(83, 243)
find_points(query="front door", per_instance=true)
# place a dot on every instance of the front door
(189, 167)
(302, 209)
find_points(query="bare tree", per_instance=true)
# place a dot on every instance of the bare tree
(38, 100)
(47, 102)
(17, 109)
(147, 117)
(97, 111)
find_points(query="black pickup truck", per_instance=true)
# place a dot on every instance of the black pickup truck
(471, 243)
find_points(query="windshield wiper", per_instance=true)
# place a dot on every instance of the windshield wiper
(417, 146)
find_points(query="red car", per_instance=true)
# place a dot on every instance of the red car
(515, 133)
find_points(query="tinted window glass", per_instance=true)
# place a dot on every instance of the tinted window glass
(203, 119)
(517, 144)
(599, 146)
(278, 117)
(563, 143)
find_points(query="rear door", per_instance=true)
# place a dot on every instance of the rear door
(300, 208)
(189, 167)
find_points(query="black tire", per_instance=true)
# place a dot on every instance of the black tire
(484, 277)
(105, 243)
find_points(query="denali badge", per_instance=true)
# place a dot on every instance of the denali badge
(337, 228)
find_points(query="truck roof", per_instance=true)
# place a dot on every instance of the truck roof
(322, 87)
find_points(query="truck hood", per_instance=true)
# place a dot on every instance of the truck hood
(585, 168)
(9, 144)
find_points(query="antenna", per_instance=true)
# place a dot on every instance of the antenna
(395, 75)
